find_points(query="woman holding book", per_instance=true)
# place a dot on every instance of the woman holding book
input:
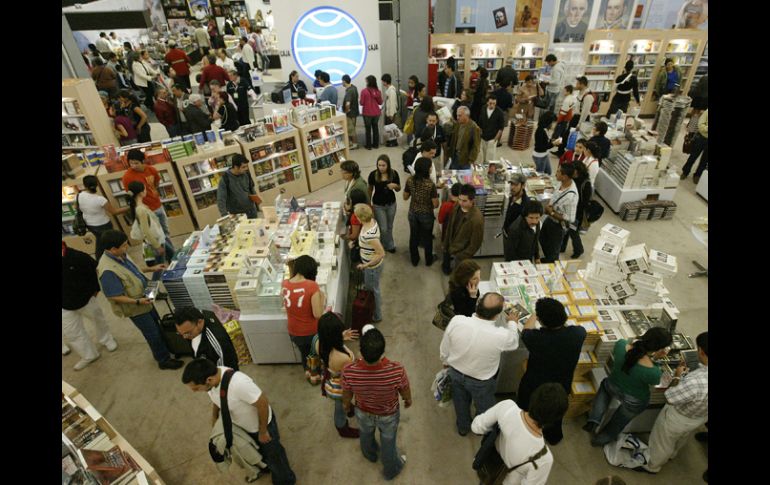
(157, 246)
(383, 185)
(633, 372)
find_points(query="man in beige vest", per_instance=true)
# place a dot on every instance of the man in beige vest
(123, 284)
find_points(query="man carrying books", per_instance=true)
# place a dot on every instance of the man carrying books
(235, 193)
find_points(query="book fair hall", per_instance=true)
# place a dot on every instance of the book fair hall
(421, 242)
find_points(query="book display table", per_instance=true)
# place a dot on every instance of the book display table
(615, 196)
(88, 439)
(702, 188)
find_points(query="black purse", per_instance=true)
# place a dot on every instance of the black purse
(79, 225)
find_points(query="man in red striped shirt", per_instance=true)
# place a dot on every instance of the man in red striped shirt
(377, 382)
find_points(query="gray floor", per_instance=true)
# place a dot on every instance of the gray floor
(169, 424)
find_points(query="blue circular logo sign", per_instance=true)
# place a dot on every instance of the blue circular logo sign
(329, 39)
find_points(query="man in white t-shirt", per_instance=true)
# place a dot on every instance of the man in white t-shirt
(520, 442)
(428, 150)
(249, 409)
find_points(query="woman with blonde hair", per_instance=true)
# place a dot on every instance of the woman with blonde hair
(372, 255)
(464, 287)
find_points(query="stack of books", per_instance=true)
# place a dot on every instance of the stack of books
(615, 234)
(606, 344)
(173, 281)
(647, 288)
(662, 263)
(583, 392)
(621, 290)
(607, 318)
(246, 291)
(586, 361)
(196, 288)
(633, 259)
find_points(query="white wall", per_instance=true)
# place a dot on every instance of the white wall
(365, 12)
(388, 49)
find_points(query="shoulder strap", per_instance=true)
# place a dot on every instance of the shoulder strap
(227, 423)
(532, 459)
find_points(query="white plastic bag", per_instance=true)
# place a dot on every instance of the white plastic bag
(627, 451)
(444, 115)
(392, 132)
(442, 388)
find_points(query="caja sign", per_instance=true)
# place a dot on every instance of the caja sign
(331, 40)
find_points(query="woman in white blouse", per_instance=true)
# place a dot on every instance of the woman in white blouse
(224, 61)
(144, 77)
(590, 149)
(520, 442)
(560, 212)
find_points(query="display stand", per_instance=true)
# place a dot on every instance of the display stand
(200, 174)
(324, 146)
(277, 164)
(702, 188)
(615, 196)
(70, 188)
(490, 51)
(703, 66)
(179, 220)
(146, 474)
(85, 124)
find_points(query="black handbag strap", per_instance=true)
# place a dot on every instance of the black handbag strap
(227, 423)
(531, 459)
(77, 204)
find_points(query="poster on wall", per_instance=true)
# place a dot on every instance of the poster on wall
(527, 15)
(572, 21)
(693, 15)
(501, 19)
(199, 8)
(614, 14)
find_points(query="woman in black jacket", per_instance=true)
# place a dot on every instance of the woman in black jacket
(543, 143)
(227, 112)
(523, 235)
(464, 287)
(480, 94)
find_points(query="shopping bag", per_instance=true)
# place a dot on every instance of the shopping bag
(627, 451)
(409, 126)
(442, 388)
(392, 132)
(444, 115)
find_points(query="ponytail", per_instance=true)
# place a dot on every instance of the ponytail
(653, 340)
(134, 188)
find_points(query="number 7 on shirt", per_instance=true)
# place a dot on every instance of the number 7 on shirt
(286, 298)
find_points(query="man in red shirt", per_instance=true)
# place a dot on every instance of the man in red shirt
(377, 382)
(166, 112)
(212, 71)
(180, 62)
(146, 174)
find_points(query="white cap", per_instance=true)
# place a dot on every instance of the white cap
(366, 328)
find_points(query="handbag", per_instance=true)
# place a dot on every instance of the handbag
(444, 313)
(227, 423)
(409, 125)
(541, 101)
(687, 145)
(79, 224)
(332, 387)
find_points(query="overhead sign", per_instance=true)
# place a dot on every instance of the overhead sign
(331, 40)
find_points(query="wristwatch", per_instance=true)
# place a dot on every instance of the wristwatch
(137, 301)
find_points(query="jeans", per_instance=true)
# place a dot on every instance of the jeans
(265, 62)
(542, 164)
(303, 344)
(274, 455)
(388, 426)
(372, 283)
(385, 215)
(465, 389)
(629, 408)
(700, 145)
(552, 97)
(551, 237)
(174, 130)
(163, 219)
(97, 231)
(488, 150)
(149, 325)
(340, 417)
(421, 234)
(74, 332)
(352, 138)
(372, 131)
(149, 95)
(577, 243)
(166, 257)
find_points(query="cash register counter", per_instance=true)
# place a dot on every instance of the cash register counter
(267, 336)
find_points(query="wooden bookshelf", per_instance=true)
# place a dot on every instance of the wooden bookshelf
(686, 47)
(277, 164)
(321, 170)
(179, 220)
(199, 183)
(84, 120)
(604, 53)
(645, 47)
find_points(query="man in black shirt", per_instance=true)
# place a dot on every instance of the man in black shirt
(600, 129)
(80, 286)
(517, 199)
(504, 100)
(507, 74)
(492, 123)
(209, 338)
(523, 234)
(554, 350)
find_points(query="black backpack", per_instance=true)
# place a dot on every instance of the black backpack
(409, 155)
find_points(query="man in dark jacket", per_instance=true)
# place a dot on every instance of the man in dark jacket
(492, 123)
(238, 89)
(197, 119)
(507, 74)
(465, 230)
(79, 287)
(449, 85)
(209, 338)
(599, 132)
(236, 189)
(522, 235)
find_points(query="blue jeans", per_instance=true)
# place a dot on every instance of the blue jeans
(630, 407)
(372, 282)
(340, 418)
(388, 426)
(274, 455)
(163, 219)
(465, 389)
(174, 130)
(385, 215)
(149, 325)
(542, 164)
(166, 257)
(421, 234)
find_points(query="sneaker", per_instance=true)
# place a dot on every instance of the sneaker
(695, 179)
(171, 364)
(65, 350)
(112, 345)
(403, 459)
(83, 363)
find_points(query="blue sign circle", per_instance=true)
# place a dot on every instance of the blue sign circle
(331, 40)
